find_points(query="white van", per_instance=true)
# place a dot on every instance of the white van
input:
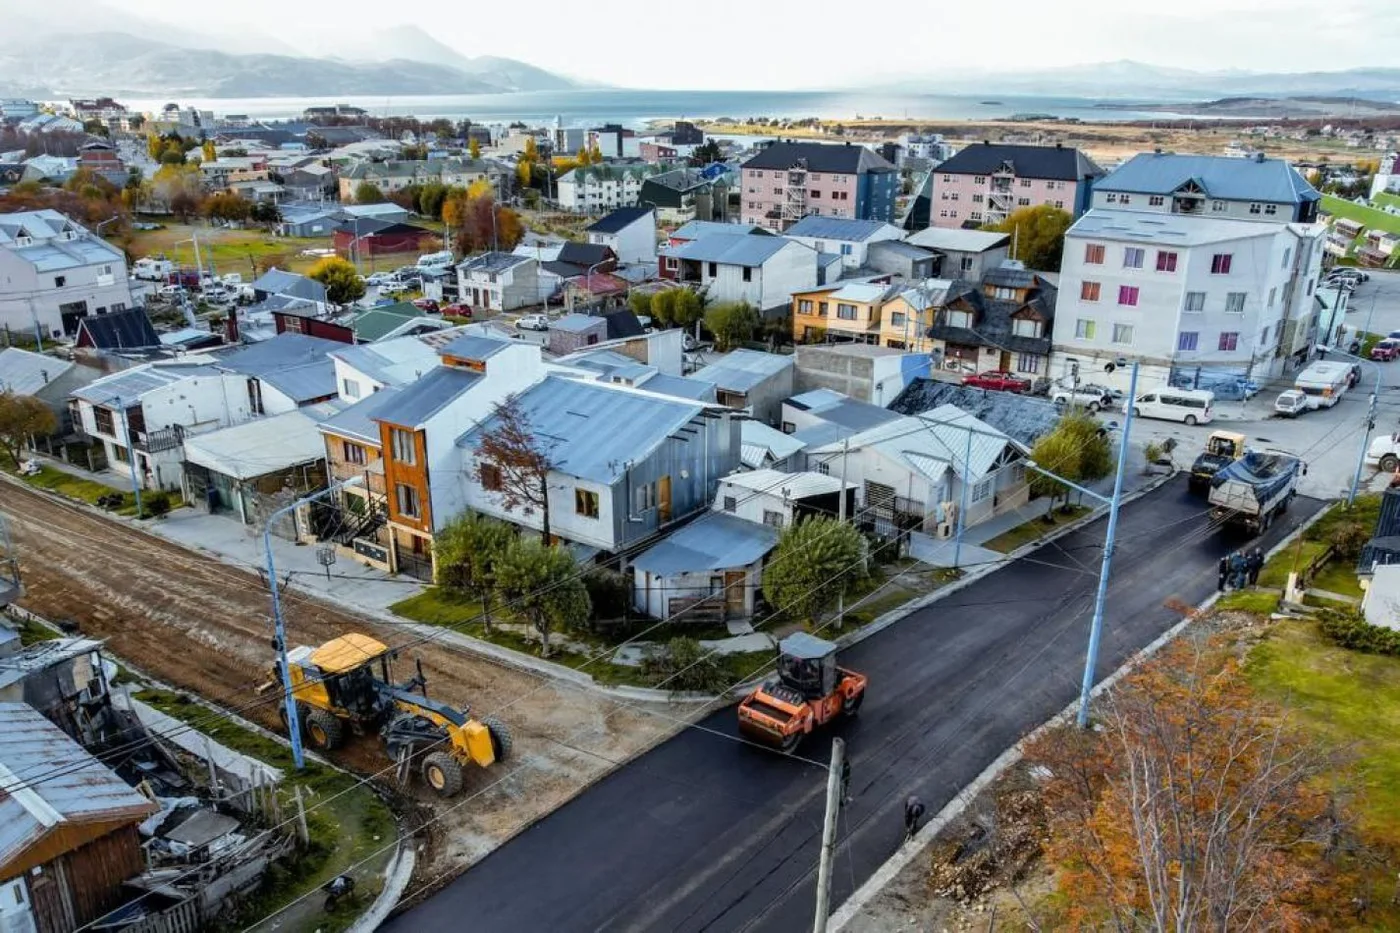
(435, 260)
(1324, 383)
(1191, 406)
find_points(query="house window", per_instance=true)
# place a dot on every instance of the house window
(1229, 340)
(959, 318)
(815, 193)
(1220, 263)
(1264, 336)
(966, 263)
(1273, 293)
(978, 198)
(1004, 294)
(491, 478)
(731, 504)
(1195, 301)
(350, 388)
(1217, 207)
(1089, 291)
(1025, 182)
(1255, 207)
(586, 503)
(59, 281)
(897, 319)
(1128, 295)
(822, 308)
(1084, 329)
(407, 500)
(1024, 328)
(824, 468)
(981, 490)
(1027, 363)
(1023, 202)
(403, 447)
(646, 497)
(1093, 253)
(1122, 333)
(845, 311)
(1112, 198)
(1132, 257)
(804, 306)
(1270, 209)
(1166, 262)
(1156, 201)
(1187, 340)
(103, 419)
(714, 269)
(748, 273)
(1234, 303)
(354, 453)
(772, 519)
(976, 215)
(847, 249)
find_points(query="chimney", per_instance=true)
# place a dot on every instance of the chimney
(44, 374)
(1059, 145)
(231, 326)
(986, 142)
(1258, 157)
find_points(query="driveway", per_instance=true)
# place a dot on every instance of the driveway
(705, 832)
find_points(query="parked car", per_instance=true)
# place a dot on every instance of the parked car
(1386, 350)
(1291, 403)
(1000, 380)
(393, 287)
(456, 310)
(1189, 406)
(1347, 272)
(533, 322)
(426, 304)
(379, 278)
(1384, 452)
(170, 291)
(1086, 396)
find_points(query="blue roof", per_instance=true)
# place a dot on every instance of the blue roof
(592, 429)
(418, 402)
(294, 364)
(1220, 177)
(474, 347)
(739, 249)
(681, 387)
(837, 228)
(742, 370)
(278, 282)
(577, 323)
(694, 229)
(715, 541)
(359, 419)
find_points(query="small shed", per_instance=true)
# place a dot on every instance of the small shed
(67, 843)
(576, 331)
(751, 381)
(710, 569)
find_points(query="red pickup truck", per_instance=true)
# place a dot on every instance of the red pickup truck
(1001, 381)
(1386, 350)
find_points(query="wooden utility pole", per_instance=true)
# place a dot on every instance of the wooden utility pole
(833, 809)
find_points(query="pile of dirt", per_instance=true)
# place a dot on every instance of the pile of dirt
(993, 846)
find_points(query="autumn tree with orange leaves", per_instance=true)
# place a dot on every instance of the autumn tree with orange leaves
(1193, 805)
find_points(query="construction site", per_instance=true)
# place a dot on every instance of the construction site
(472, 750)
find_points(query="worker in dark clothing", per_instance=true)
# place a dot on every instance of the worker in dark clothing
(1255, 564)
(1223, 570)
(913, 812)
(1238, 572)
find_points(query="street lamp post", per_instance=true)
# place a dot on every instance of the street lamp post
(280, 639)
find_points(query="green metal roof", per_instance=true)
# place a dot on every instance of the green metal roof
(376, 323)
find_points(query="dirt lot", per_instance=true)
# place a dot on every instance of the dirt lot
(205, 626)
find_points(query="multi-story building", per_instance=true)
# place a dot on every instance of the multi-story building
(501, 281)
(630, 232)
(393, 176)
(930, 146)
(685, 194)
(615, 141)
(1200, 301)
(983, 183)
(1256, 189)
(789, 180)
(846, 311)
(1002, 323)
(53, 273)
(101, 158)
(596, 189)
(230, 170)
(850, 239)
(765, 271)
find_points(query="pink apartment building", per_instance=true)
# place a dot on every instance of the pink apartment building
(789, 181)
(984, 182)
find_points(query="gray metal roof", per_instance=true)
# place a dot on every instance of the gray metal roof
(714, 541)
(1169, 229)
(1022, 417)
(837, 228)
(396, 361)
(279, 282)
(900, 248)
(806, 645)
(473, 347)
(1221, 177)
(258, 447)
(693, 230)
(743, 370)
(418, 402)
(359, 420)
(775, 442)
(76, 789)
(591, 429)
(680, 387)
(131, 384)
(787, 485)
(578, 324)
(618, 220)
(296, 365)
(958, 241)
(740, 249)
(25, 372)
(493, 262)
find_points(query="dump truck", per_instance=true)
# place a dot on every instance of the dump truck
(1222, 449)
(1249, 493)
(346, 685)
(810, 690)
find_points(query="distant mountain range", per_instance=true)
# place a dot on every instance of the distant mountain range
(132, 57)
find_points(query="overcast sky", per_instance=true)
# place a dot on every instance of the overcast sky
(769, 44)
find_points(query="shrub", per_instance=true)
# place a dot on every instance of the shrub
(155, 505)
(1348, 538)
(608, 592)
(1350, 629)
(685, 666)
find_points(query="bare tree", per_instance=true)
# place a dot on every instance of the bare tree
(514, 462)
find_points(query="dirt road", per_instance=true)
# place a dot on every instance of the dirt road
(205, 626)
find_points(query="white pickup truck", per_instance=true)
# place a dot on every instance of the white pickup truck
(1384, 453)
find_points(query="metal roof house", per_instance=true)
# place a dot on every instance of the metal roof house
(762, 270)
(630, 232)
(54, 273)
(751, 381)
(47, 378)
(286, 372)
(1256, 189)
(850, 238)
(67, 843)
(627, 462)
(709, 570)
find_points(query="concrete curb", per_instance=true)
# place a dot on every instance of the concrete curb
(397, 874)
(886, 873)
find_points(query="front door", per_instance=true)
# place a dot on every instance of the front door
(735, 592)
(15, 914)
(663, 498)
(1005, 361)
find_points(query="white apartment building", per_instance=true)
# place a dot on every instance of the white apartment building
(1199, 301)
(54, 273)
(1257, 189)
(596, 189)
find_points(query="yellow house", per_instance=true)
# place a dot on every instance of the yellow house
(906, 318)
(843, 312)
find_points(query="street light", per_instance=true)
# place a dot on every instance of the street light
(1370, 418)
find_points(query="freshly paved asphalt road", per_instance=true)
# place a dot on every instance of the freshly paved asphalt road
(706, 833)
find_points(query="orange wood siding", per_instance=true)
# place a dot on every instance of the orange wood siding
(414, 475)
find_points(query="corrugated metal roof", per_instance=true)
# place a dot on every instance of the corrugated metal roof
(279, 282)
(618, 220)
(120, 330)
(715, 541)
(739, 249)
(24, 372)
(16, 667)
(837, 228)
(131, 384)
(816, 399)
(474, 347)
(359, 420)
(493, 262)
(1172, 229)
(1221, 177)
(786, 485)
(578, 323)
(680, 387)
(254, 448)
(937, 437)
(397, 361)
(592, 429)
(418, 402)
(775, 442)
(742, 370)
(958, 241)
(695, 229)
(1057, 162)
(1022, 417)
(296, 365)
(76, 788)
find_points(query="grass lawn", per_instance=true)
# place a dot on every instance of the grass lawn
(87, 490)
(352, 827)
(1386, 199)
(227, 250)
(1035, 529)
(1338, 576)
(1350, 701)
(1369, 216)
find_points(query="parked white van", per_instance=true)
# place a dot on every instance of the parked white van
(1324, 383)
(435, 260)
(1191, 406)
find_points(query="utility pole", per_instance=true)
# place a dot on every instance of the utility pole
(130, 453)
(833, 809)
(962, 506)
(841, 506)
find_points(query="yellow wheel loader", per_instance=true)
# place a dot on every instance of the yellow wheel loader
(347, 684)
